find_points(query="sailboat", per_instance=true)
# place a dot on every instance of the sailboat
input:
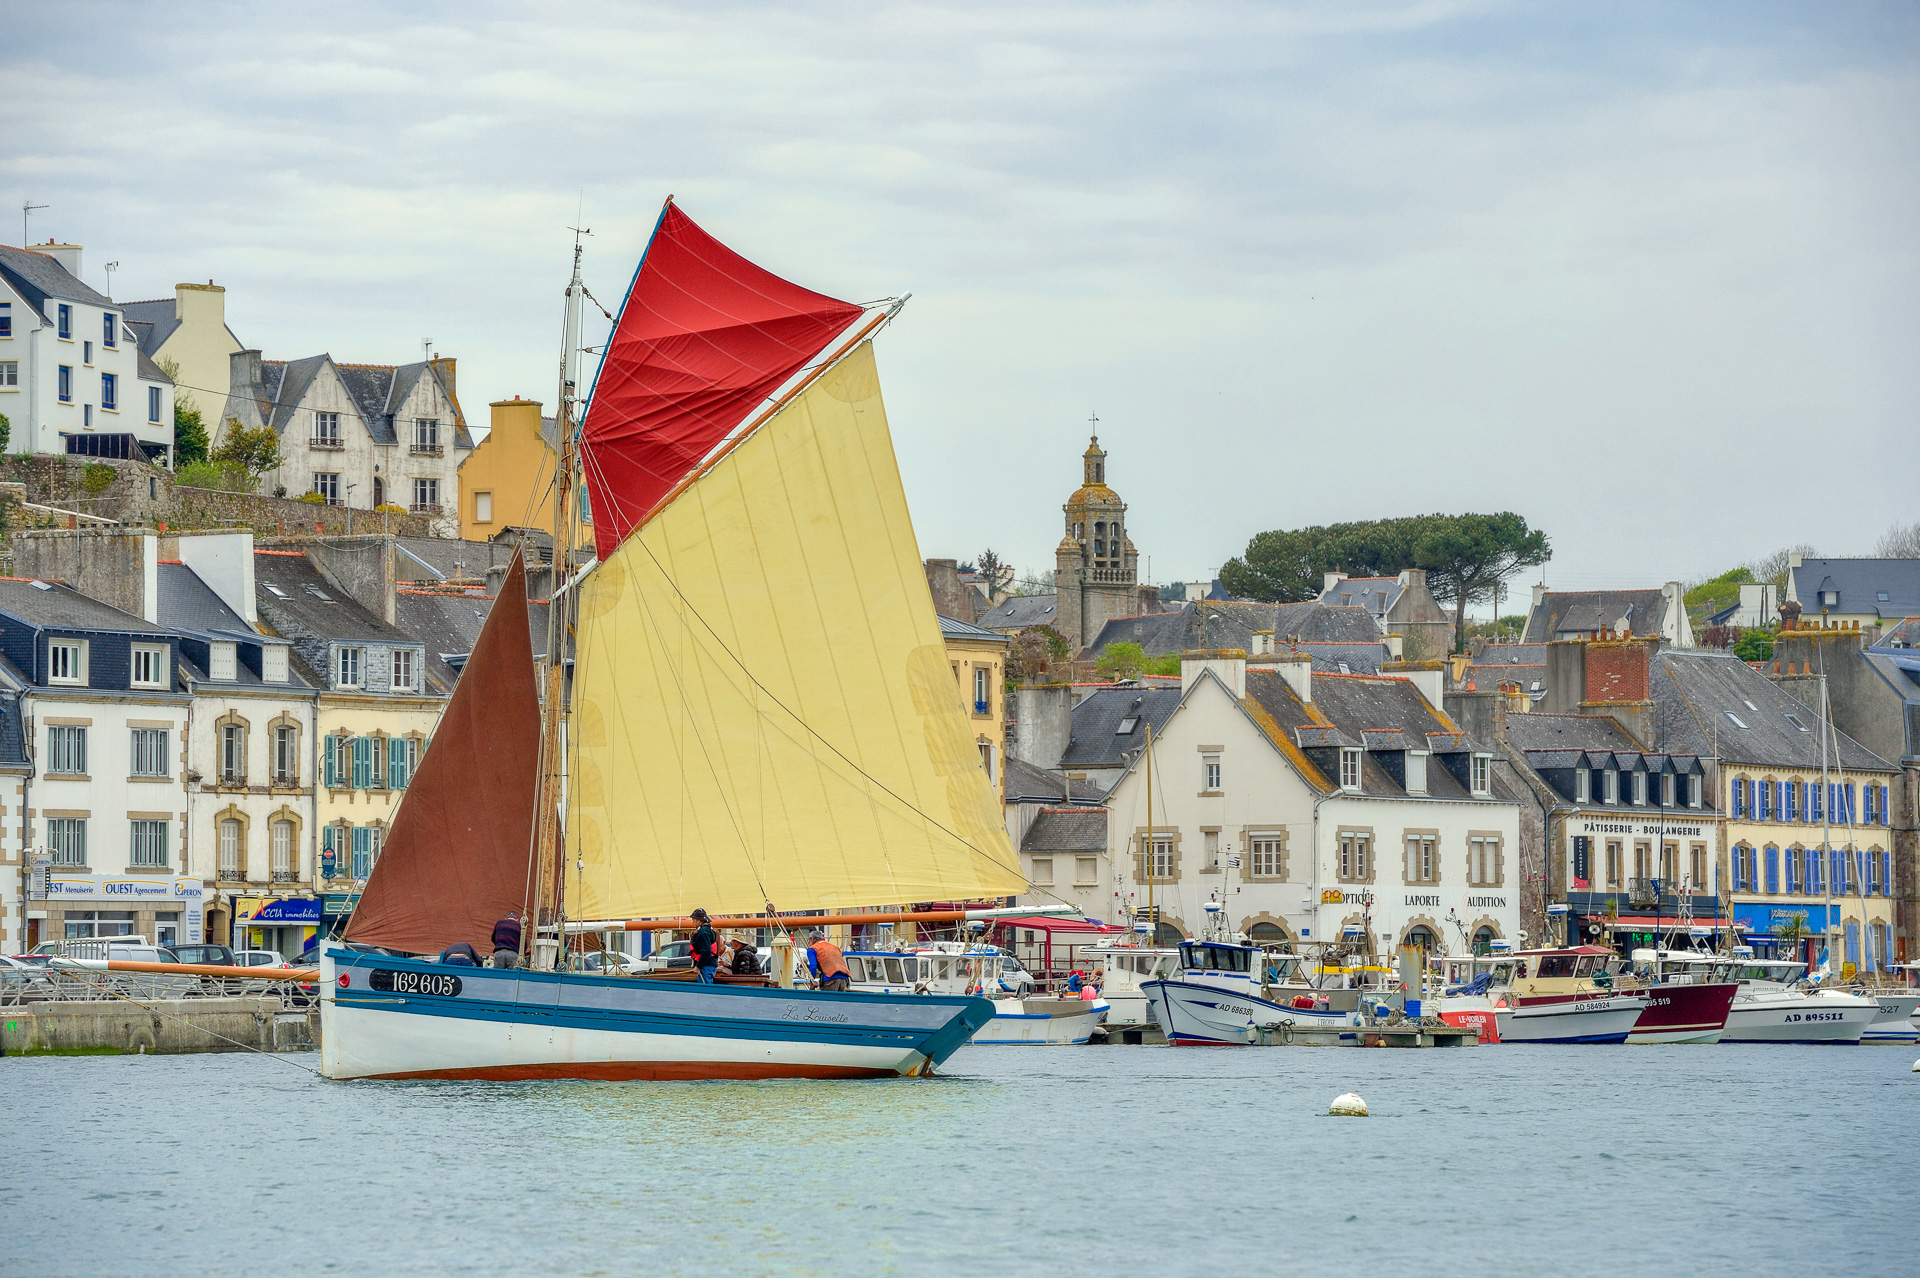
(759, 719)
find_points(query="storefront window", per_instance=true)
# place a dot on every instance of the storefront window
(81, 924)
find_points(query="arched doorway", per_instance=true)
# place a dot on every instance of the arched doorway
(1166, 935)
(1422, 937)
(379, 492)
(1483, 941)
(1268, 934)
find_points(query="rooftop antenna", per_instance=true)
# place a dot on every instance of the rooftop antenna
(426, 348)
(26, 207)
(111, 267)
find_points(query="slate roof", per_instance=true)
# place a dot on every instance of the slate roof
(1067, 830)
(1580, 611)
(37, 277)
(1375, 594)
(153, 321)
(1359, 658)
(1696, 690)
(951, 628)
(61, 607)
(188, 603)
(1901, 638)
(1097, 741)
(1022, 611)
(1165, 633)
(1028, 783)
(1359, 710)
(377, 391)
(1534, 732)
(440, 558)
(13, 741)
(296, 602)
(1860, 583)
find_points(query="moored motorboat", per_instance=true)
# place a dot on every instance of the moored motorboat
(956, 970)
(1688, 996)
(1123, 970)
(1776, 1005)
(1568, 996)
(1214, 999)
(1895, 1022)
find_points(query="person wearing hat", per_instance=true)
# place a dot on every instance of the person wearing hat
(506, 940)
(828, 965)
(705, 946)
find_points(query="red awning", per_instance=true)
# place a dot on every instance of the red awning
(703, 337)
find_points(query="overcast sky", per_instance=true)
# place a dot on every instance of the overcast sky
(1643, 273)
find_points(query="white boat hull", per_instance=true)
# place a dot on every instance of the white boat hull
(1800, 1018)
(1895, 1022)
(1194, 1014)
(1587, 1020)
(400, 1018)
(1042, 1021)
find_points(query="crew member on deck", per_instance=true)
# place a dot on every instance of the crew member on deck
(506, 940)
(705, 947)
(826, 963)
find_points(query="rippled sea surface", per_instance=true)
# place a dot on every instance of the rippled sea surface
(1019, 1160)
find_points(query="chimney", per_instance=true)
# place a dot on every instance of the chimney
(1539, 592)
(243, 380)
(1394, 645)
(1296, 668)
(201, 306)
(1263, 643)
(1228, 663)
(68, 255)
(443, 364)
(1330, 580)
(224, 560)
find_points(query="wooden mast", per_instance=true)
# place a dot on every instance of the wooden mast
(542, 917)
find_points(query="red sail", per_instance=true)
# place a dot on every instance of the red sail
(703, 337)
(455, 860)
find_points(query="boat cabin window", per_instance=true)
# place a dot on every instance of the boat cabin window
(1551, 965)
(1218, 958)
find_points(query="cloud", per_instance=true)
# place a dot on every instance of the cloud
(1640, 275)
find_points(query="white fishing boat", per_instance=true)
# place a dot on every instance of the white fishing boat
(1775, 1004)
(1124, 970)
(1226, 994)
(957, 970)
(1566, 996)
(759, 719)
(1895, 1022)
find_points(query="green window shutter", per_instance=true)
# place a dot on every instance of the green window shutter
(397, 764)
(332, 778)
(362, 763)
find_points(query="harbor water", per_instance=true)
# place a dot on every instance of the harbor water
(1018, 1160)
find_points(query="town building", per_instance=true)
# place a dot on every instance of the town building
(956, 594)
(1234, 623)
(506, 482)
(73, 379)
(1315, 807)
(979, 661)
(188, 333)
(1508, 667)
(16, 829)
(1400, 605)
(1572, 614)
(375, 711)
(1870, 593)
(359, 435)
(1807, 848)
(1096, 568)
(105, 720)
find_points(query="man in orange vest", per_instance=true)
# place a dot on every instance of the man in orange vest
(826, 963)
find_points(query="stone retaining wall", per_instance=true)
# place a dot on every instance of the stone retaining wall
(173, 1026)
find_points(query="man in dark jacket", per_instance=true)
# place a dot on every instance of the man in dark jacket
(705, 947)
(506, 940)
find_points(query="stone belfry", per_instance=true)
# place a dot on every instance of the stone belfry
(1096, 572)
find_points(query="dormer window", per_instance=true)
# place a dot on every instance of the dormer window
(1416, 772)
(1610, 786)
(347, 667)
(1830, 599)
(1640, 789)
(1582, 785)
(1349, 769)
(149, 666)
(404, 672)
(1482, 767)
(1693, 790)
(67, 662)
(1666, 789)
(273, 664)
(223, 663)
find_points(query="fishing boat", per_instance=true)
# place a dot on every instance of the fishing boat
(1227, 994)
(1777, 1005)
(757, 717)
(1568, 996)
(1124, 970)
(958, 969)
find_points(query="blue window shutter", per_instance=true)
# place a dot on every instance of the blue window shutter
(332, 780)
(1853, 944)
(1773, 871)
(1886, 813)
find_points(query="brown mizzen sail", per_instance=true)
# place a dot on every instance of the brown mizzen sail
(455, 860)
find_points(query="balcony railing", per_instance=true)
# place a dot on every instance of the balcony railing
(979, 707)
(325, 441)
(427, 450)
(425, 508)
(286, 876)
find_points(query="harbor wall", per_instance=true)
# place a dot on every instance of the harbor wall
(171, 1027)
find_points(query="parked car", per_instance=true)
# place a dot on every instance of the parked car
(260, 958)
(674, 954)
(606, 962)
(21, 980)
(1015, 979)
(210, 955)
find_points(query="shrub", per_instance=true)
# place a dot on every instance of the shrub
(312, 499)
(96, 478)
(212, 474)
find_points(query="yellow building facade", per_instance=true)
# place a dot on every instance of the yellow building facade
(507, 480)
(979, 661)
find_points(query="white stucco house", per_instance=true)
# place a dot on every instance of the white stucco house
(1313, 807)
(73, 378)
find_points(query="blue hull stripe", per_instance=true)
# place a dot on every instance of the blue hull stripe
(965, 1015)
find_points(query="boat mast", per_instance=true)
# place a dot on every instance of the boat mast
(543, 937)
(1826, 830)
(1153, 918)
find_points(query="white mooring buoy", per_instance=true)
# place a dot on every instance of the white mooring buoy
(1349, 1105)
(1916, 1067)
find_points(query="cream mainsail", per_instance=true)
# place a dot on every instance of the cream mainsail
(763, 707)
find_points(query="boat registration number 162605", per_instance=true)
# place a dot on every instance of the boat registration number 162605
(389, 981)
